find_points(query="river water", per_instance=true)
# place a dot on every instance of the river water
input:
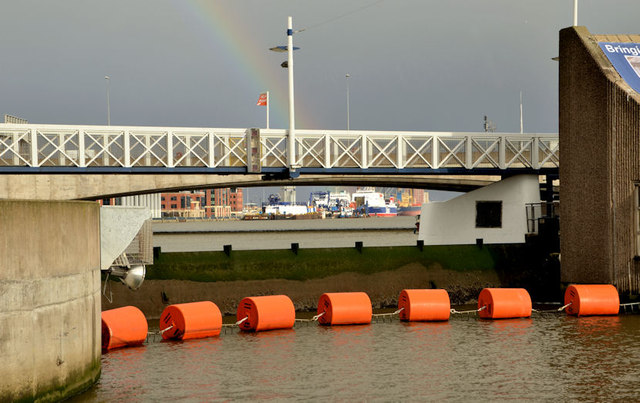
(549, 357)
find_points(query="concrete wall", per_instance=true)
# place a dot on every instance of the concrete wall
(49, 299)
(599, 139)
(454, 222)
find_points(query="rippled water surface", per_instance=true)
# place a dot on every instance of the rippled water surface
(547, 357)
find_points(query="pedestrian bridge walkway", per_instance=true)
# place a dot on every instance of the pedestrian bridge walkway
(56, 149)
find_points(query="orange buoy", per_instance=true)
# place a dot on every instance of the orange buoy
(504, 303)
(266, 313)
(194, 320)
(344, 308)
(592, 299)
(123, 327)
(424, 305)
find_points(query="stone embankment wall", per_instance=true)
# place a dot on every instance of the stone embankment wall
(49, 299)
(463, 270)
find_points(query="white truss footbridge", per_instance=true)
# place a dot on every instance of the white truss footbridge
(32, 148)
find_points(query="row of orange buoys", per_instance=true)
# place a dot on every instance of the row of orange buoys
(127, 326)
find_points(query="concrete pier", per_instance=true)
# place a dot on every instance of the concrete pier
(600, 171)
(49, 299)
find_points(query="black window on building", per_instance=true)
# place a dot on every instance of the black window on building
(488, 214)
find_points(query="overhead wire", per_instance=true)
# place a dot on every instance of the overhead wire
(332, 19)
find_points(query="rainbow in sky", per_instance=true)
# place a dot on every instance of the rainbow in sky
(216, 20)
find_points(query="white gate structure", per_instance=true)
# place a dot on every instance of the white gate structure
(32, 148)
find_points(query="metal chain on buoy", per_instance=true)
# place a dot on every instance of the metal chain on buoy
(104, 290)
(469, 311)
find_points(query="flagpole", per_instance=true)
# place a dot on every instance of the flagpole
(267, 109)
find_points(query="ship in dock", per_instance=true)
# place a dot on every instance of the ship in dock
(372, 203)
(410, 201)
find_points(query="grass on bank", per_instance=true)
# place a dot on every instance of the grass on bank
(312, 263)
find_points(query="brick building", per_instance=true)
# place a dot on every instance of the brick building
(210, 203)
(183, 204)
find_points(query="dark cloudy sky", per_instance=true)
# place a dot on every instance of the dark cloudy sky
(414, 64)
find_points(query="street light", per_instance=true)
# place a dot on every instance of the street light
(108, 103)
(347, 80)
(291, 157)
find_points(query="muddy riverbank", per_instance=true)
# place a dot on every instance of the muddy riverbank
(383, 288)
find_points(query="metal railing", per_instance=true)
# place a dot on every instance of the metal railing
(44, 146)
(539, 213)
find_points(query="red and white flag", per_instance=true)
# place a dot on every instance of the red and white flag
(262, 100)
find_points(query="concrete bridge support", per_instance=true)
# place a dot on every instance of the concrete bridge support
(49, 299)
(95, 186)
(600, 171)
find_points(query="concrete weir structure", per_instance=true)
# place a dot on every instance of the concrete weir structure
(49, 299)
(455, 222)
(600, 171)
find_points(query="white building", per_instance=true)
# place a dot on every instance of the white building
(493, 214)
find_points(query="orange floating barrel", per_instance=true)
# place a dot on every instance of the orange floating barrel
(344, 308)
(424, 305)
(266, 313)
(504, 303)
(592, 299)
(194, 320)
(123, 327)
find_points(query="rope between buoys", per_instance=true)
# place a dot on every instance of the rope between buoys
(159, 332)
(376, 315)
(562, 308)
(238, 323)
(164, 330)
(315, 318)
(318, 316)
(469, 311)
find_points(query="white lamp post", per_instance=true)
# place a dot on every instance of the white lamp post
(291, 154)
(292, 114)
(347, 80)
(108, 103)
